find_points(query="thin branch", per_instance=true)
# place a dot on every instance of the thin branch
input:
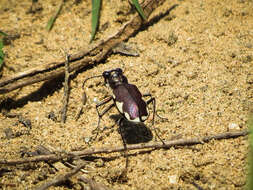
(80, 109)
(66, 90)
(61, 178)
(81, 59)
(154, 145)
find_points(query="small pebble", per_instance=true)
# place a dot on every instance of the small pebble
(173, 179)
(95, 100)
(233, 126)
(8, 133)
(87, 139)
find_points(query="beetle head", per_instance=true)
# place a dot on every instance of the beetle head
(114, 77)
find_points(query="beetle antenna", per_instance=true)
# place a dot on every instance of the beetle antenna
(90, 78)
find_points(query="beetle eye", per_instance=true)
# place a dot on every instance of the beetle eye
(106, 74)
(119, 70)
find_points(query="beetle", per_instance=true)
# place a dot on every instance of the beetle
(126, 98)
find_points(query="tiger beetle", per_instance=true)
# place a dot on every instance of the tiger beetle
(126, 98)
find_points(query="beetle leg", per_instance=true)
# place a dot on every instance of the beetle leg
(153, 101)
(124, 144)
(100, 115)
(149, 95)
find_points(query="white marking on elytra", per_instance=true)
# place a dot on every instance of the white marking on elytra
(144, 117)
(137, 119)
(120, 106)
(127, 116)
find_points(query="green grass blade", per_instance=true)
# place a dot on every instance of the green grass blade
(1, 53)
(96, 4)
(139, 9)
(249, 185)
(53, 18)
(2, 33)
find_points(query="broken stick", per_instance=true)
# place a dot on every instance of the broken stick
(80, 60)
(154, 145)
(61, 178)
(66, 91)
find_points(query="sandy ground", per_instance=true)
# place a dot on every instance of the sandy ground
(197, 61)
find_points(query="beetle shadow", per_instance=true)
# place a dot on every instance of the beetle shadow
(133, 133)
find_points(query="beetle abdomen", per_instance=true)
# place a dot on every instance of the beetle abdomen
(130, 103)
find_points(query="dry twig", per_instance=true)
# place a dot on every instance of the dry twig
(61, 178)
(154, 145)
(66, 90)
(80, 109)
(81, 59)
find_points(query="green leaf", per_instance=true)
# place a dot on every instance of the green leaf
(2, 33)
(96, 4)
(1, 53)
(139, 9)
(53, 18)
